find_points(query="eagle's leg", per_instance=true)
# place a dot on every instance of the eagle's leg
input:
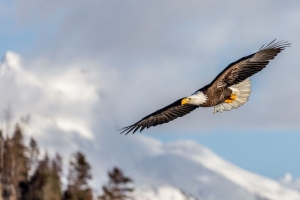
(230, 99)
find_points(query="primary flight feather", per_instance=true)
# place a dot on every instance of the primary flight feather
(230, 89)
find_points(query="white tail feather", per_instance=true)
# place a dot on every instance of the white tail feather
(242, 92)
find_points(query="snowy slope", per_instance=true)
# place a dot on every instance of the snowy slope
(198, 171)
(288, 181)
(161, 193)
(253, 183)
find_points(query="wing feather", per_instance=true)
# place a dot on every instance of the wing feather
(161, 116)
(247, 66)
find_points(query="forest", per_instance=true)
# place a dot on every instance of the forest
(26, 174)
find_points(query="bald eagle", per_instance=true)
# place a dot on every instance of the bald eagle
(230, 89)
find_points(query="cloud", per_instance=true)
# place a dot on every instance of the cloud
(104, 65)
(61, 99)
(143, 50)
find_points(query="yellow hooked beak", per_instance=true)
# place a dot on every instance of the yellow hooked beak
(185, 101)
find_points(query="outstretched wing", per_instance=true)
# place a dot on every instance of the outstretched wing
(245, 67)
(161, 116)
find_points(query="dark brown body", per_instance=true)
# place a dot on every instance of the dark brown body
(215, 95)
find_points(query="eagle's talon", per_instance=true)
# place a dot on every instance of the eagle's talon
(231, 99)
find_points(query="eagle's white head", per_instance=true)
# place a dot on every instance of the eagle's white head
(197, 98)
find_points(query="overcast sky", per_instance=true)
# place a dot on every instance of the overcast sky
(83, 69)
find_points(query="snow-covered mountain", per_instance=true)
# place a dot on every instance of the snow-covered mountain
(196, 170)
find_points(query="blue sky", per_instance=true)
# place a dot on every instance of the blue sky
(179, 47)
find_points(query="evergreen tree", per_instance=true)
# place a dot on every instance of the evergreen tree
(54, 185)
(1, 161)
(39, 179)
(45, 182)
(7, 186)
(1, 151)
(19, 159)
(79, 175)
(15, 164)
(33, 154)
(117, 188)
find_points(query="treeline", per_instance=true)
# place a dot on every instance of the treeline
(27, 175)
